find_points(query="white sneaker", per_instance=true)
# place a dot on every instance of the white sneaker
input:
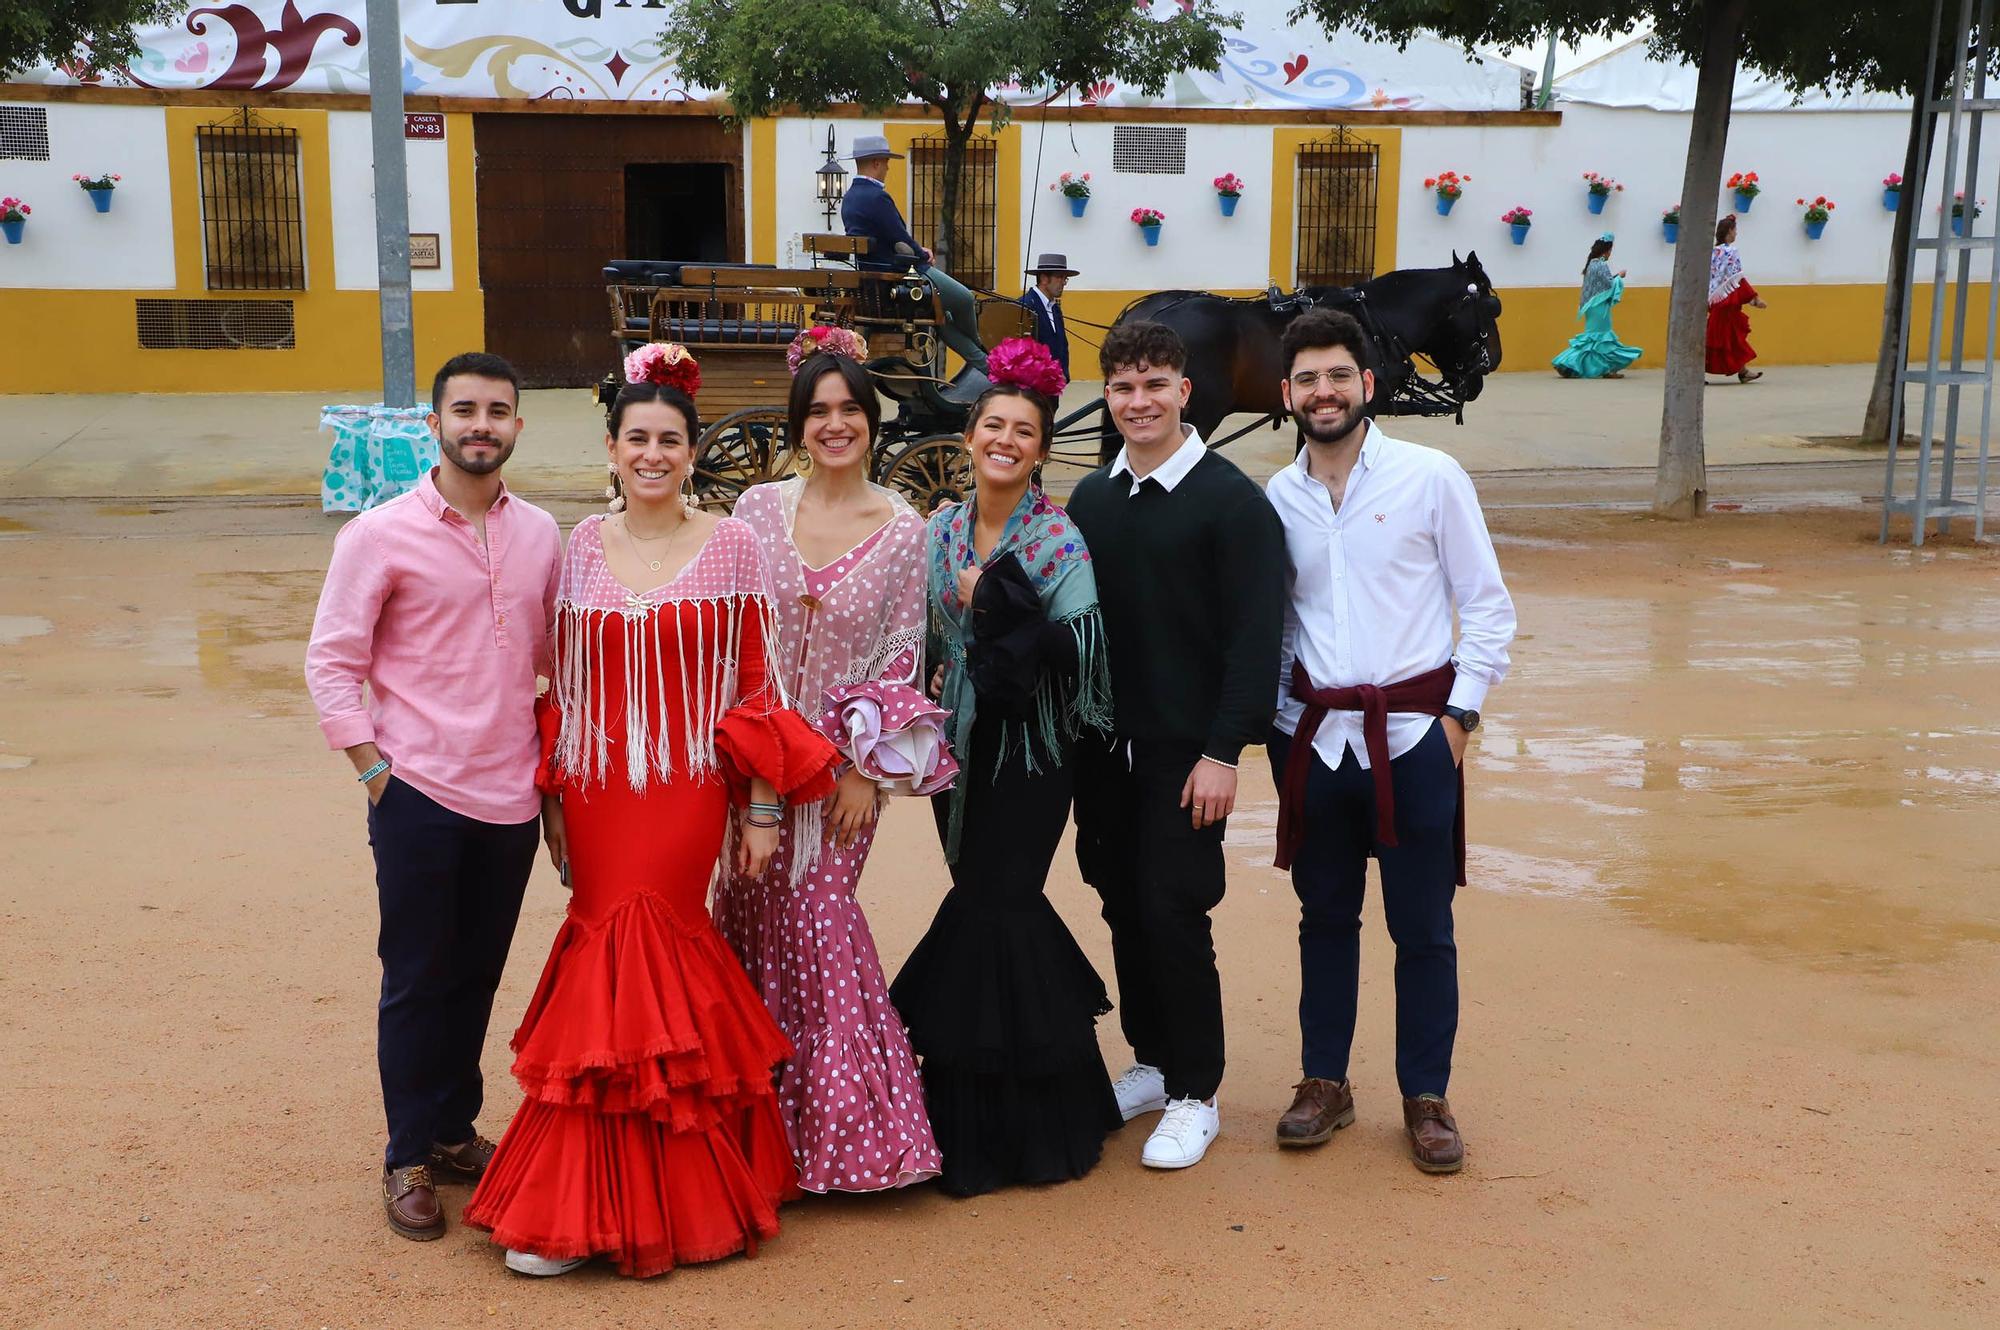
(541, 1267)
(1183, 1135)
(1142, 1089)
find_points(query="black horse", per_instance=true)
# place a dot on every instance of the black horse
(1448, 316)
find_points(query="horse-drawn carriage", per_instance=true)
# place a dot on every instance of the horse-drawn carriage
(740, 319)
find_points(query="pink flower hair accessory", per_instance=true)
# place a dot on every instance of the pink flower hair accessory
(1027, 363)
(666, 363)
(825, 337)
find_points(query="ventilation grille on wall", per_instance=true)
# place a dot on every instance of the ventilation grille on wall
(24, 133)
(216, 325)
(1149, 149)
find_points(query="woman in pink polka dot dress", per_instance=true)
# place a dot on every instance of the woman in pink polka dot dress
(847, 559)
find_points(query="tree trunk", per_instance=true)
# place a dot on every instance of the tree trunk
(1680, 488)
(1875, 420)
(957, 134)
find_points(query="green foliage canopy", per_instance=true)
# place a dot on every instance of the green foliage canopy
(52, 32)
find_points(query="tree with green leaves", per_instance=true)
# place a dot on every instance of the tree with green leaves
(770, 55)
(99, 34)
(1805, 43)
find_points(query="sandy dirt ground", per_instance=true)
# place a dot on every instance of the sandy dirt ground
(1728, 959)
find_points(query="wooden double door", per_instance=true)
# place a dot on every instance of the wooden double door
(560, 195)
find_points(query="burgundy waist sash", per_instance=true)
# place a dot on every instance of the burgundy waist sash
(1423, 694)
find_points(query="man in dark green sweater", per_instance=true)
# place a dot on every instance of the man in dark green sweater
(1190, 563)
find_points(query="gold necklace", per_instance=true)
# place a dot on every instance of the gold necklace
(654, 564)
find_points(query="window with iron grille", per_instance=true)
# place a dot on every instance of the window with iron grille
(253, 232)
(1149, 149)
(215, 325)
(974, 258)
(1337, 179)
(24, 133)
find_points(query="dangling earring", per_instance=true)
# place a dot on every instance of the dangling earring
(689, 505)
(615, 491)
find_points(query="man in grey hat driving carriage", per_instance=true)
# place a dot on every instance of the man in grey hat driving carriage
(1044, 300)
(868, 211)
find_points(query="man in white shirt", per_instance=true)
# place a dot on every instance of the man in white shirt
(1385, 542)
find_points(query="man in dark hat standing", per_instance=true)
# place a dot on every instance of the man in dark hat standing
(1044, 300)
(868, 211)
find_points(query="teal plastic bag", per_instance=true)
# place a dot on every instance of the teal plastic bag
(378, 452)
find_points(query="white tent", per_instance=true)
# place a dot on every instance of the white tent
(1629, 78)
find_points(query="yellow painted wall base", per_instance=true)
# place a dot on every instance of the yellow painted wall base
(88, 342)
(1805, 325)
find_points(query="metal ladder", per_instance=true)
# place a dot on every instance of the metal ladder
(1963, 117)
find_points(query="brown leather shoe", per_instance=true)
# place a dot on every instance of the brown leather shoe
(412, 1204)
(1434, 1141)
(1319, 1109)
(462, 1163)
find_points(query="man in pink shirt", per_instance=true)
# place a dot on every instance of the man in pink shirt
(442, 602)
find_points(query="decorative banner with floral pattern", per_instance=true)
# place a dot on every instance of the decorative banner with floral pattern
(610, 50)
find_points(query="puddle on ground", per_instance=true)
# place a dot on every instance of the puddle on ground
(18, 628)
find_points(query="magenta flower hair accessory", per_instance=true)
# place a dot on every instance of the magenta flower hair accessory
(825, 337)
(1027, 363)
(667, 363)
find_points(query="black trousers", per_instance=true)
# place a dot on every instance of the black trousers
(1419, 878)
(1158, 878)
(450, 889)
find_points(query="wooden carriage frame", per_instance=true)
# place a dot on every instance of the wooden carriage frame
(740, 319)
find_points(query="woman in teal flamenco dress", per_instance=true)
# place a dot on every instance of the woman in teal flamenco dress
(1596, 352)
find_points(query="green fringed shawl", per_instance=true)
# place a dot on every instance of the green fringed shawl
(1051, 551)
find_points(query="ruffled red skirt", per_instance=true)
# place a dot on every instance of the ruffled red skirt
(650, 1133)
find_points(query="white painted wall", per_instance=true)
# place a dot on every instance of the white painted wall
(1199, 247)
(351, 162)
(68, 243)
(1843, 155)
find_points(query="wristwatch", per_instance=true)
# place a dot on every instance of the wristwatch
(1468, 720)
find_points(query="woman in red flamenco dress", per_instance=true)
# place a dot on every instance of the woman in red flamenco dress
(1729, 349)
(650, 1132)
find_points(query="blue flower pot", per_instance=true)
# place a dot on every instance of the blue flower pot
(1596, 201)
(1444, 205)
(1228, 202)
(1520, 232)
(1957, 226)
(1671, 231)
(12, 230)
(1743, 201)
(1814, 230)
(1891, 198)
(101, 198)
(1077, 203)
(1152, 234)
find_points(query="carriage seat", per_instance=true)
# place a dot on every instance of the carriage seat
(642, 272)
(728, 332)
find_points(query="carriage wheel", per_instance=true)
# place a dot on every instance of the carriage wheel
(742, 449)
(930, 471)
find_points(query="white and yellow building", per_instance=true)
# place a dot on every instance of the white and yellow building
(238, 254)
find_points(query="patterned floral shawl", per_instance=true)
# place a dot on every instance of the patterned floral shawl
(1051, 551)
(1598, 281)
(1725, 273)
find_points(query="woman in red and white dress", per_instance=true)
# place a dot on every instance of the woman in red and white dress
(650, 1133)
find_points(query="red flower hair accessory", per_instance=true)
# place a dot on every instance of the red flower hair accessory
(824, 337)
(667, 363)
(1026, 362)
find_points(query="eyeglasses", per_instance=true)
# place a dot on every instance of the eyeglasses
(1343, 378)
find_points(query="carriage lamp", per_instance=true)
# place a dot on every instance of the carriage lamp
(832, 178)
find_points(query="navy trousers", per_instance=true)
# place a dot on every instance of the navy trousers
(450, 888)
(1158, 878)
(1419, 878)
